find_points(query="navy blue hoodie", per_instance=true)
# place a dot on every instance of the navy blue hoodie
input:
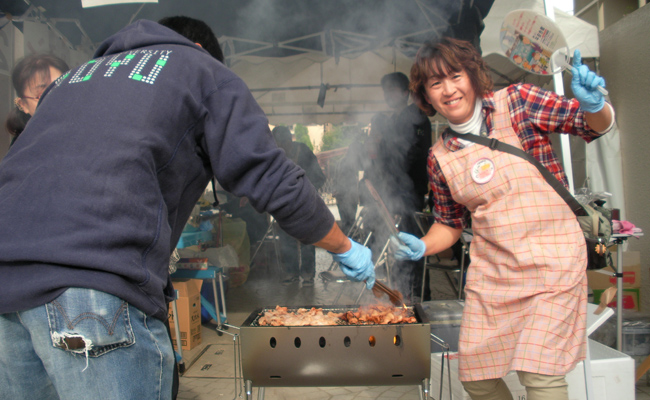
(97, 189)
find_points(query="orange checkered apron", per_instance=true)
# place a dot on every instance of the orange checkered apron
(526, 290)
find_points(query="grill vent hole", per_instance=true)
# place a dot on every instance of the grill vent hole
(297, 342)
(397, 340)
(347, 341)
(372, 341)
(273, 343)
(398, 376)
(321, 342)
(278, 377)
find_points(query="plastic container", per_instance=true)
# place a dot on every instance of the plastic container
(444, 318)
(193, 238)
(636, 338)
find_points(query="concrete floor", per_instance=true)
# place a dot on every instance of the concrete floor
(264, 289)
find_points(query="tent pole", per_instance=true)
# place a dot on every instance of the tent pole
(136, 13)
(559, 89)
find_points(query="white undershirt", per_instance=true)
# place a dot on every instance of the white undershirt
(472, 126)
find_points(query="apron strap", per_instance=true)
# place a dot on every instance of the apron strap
(495, 144)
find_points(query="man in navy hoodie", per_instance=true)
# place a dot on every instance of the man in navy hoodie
(95, 194)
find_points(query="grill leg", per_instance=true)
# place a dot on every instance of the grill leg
(424, 393)
(249, 390)
(260, 393)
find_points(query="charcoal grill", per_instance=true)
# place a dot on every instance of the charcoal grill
(336, 355)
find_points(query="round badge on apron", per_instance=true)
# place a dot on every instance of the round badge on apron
(483, 171)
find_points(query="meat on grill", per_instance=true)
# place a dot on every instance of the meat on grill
(369, 315)
(301, 317)
(379, 314)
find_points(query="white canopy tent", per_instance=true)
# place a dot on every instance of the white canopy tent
(350, 61)
(293, 83)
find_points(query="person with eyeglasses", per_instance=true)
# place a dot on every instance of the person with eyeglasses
(30, 77)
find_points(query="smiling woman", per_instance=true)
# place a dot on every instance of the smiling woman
(527, 254)
(451, 82)
(452, 95)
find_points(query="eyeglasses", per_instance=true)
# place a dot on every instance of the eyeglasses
(38, 97)
(40, 89)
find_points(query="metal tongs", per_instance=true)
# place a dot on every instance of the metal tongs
(385, 214)
(394, 296)
(379, 288)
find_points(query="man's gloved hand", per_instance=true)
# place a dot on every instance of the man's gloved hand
(585, 85)
(357, 264)
(414, 249)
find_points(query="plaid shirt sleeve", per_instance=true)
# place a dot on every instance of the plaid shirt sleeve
(448, 211)
(547, 112)
(535, 113)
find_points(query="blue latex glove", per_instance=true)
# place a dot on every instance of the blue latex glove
(584, 85)
(356, 264)
(414, 249)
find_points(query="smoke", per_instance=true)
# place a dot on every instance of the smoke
(386, 22)
(276, 21)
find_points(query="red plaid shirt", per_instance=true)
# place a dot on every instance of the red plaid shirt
(535, 113)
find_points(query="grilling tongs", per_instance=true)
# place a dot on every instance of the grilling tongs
(394, 296)
(379, 289)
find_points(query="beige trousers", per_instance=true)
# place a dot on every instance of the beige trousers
(538, 387)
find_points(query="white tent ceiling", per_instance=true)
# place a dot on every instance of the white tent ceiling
(349, 63)
(287, 88)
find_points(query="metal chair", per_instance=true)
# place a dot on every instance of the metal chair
(270, 236)
(451, 267)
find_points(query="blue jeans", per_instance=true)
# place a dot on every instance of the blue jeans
(86, 344)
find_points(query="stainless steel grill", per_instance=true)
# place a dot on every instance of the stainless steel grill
(339, 355)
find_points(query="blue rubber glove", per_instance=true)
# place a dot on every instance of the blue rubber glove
(584, 85)
(357, 264)
(414, 249)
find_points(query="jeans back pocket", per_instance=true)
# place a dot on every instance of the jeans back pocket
(89, 322)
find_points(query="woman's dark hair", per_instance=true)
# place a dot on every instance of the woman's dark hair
(197, 31)
(442, 58)
(15, 123)
(23, 73)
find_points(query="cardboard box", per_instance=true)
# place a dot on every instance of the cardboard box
(192, 263)
(631, 272)
(631, 298)
(188, 305)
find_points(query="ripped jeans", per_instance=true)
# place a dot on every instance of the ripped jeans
(86, 344)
